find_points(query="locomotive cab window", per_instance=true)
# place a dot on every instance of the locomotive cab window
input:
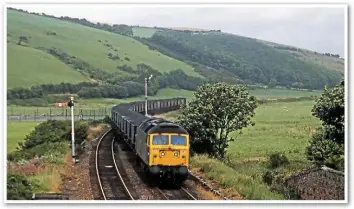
(160, 140)
(178, 140)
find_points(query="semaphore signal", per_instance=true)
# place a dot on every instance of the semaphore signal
(71, 105)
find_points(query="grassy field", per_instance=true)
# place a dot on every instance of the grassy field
(277, 123)
(258, 93)
(143, 32)
(82, 42)
(16, 132)
(100, 105)
(283, 127)
(28, 66)
(282, 93)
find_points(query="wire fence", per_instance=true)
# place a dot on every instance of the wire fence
(44, 114)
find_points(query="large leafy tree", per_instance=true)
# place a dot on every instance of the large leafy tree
(330, 110)
(217, 110)
(327, 145)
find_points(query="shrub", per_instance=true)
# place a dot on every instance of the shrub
(268, 177)
(18, 187)
(277, 159)
(39, 151)
(327, 152)
(49, 137)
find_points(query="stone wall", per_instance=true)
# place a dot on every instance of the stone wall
(318, 184)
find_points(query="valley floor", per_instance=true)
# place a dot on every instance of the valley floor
(280, 127)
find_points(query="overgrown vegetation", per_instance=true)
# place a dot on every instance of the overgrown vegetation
(41, 158)
(327, 144)
(217, 110)
(247, 185)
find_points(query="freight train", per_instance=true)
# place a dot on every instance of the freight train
(161, 146)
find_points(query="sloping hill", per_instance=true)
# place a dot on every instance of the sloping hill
(247, 60)
(116, 53)
(28, 66)
(330, 62)
(100, 49)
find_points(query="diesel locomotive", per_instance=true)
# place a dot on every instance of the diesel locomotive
(161, 146)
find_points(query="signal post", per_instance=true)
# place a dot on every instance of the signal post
(71, 105)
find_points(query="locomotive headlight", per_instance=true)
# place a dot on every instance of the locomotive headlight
(163, 154)
(176, 154)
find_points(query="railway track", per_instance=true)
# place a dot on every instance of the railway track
(110, 179)
(179, 194)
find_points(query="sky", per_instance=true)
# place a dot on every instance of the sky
(319, 29)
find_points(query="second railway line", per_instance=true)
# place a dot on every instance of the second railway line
(110, 179)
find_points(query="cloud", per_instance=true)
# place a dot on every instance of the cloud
(319, 28)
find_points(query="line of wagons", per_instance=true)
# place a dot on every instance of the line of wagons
(128, 116)
(161, 146)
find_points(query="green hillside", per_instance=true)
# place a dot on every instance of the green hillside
(28, 66)
(330, 62)
(118, 58)
(143, 32)
(247, 60)
(87, 44)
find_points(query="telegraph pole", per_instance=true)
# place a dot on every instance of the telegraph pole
(71, 105)
(146, 103)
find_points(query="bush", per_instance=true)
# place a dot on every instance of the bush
(323, 151)
(49, 137)
(47, 132)
(42, 151)
(80, 132)
(18, 187)
(277, 159)
(268, 178)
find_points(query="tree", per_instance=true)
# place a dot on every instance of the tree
(22, 39)
(217, 110)
(327, 145)
(330, 110)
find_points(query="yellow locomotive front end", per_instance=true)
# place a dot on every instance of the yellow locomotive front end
(169, 149)
(169, 156)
